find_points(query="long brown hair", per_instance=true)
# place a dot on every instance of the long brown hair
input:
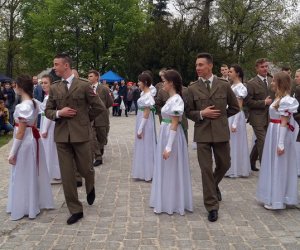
(283, 86)
(173, 76)
(25, 83)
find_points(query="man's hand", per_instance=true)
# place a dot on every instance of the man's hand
(67, 112)
(233, 129)
(210, 112)
(268, 101)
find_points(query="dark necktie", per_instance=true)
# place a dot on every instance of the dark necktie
(207, 83)
(66, 84)
(265, 82)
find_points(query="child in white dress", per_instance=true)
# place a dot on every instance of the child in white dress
(278, 182)
(29, 187)
(239, 153)
(145, 135)
(171, 189)
(47, 135)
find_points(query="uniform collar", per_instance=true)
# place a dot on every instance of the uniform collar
(209, 79)
(95, 84)
(262, 78)
(69, 79)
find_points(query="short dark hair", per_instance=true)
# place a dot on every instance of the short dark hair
(95, 72)
(260, 61)
(285, 68)
(207, 56)
(65, 57)
(145, 78)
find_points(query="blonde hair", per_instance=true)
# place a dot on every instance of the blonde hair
(283, 86)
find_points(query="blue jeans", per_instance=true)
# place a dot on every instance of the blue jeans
(6, 127)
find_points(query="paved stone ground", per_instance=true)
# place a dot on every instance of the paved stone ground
(122, 219)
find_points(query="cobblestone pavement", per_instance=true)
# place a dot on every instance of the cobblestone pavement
(122, 219)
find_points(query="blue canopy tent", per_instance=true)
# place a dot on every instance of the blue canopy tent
(4, 78)
(110, 77)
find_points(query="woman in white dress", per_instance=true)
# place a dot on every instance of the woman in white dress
(239, 153)
(294, 123)
(277, 183)
(171, 190)
(145, 139)
(47, 135)
(29, 187)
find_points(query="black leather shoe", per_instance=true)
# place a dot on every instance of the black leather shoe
(213, 215)
(219, 195)
(97, 163)
(253, 168)
(74, 218)
(79, 183)
(91, 197)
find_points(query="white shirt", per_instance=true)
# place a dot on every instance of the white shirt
(94, 87)
(263, 78)
(69, 80)
(209, 79)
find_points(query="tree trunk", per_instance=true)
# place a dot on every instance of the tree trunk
(204, 21)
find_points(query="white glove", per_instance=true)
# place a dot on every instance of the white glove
(142, 125)
(282, 134)
(45, 126)
(170, 140)
(236, 120)
(15, 147)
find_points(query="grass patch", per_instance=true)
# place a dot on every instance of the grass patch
(4, 139)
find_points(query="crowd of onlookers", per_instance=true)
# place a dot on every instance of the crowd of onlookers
(8, 101)
(125, 97)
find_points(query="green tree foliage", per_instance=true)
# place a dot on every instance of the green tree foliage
(285, 48)
(130, 36)
(94, 32)
(247, 27)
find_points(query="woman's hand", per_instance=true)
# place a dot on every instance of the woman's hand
(233, 129)
(166, 154)
(140, 136)
(12, 160)
(280, 151)
(44, 135)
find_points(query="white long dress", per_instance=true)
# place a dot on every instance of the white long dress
(296, 143)
(144, 149)
(171, 189)
(29, 187)
(278, 182)
(239, 152)
(49, 144)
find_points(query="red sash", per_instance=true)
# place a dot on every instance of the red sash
(291, 127)
(36, 135)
